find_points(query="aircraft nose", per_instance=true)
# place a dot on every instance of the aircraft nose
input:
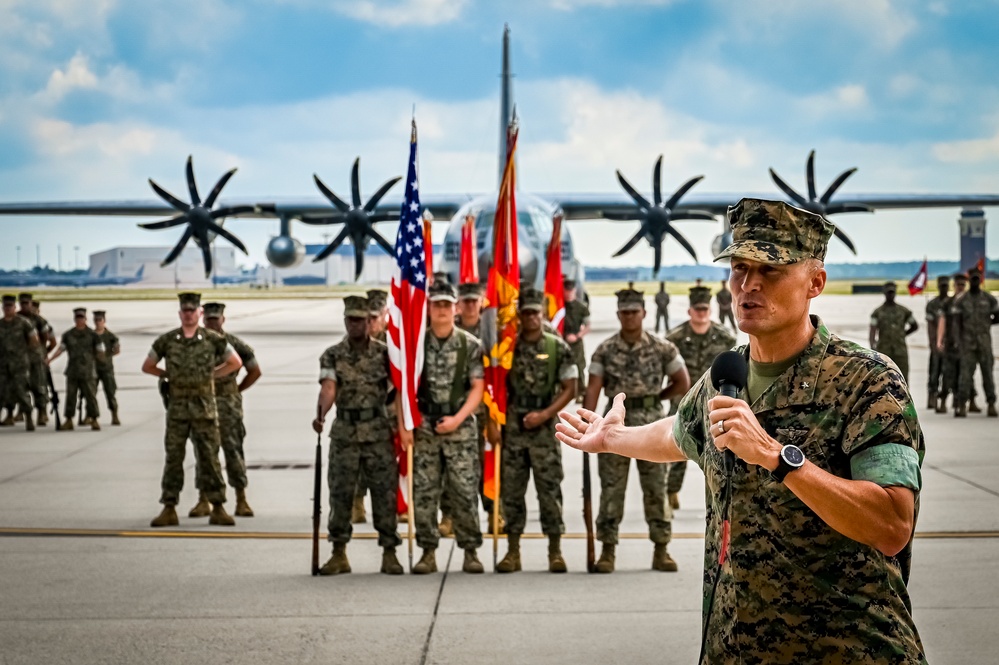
(528, 263)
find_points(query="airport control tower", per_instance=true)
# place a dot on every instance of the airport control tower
(972, 223)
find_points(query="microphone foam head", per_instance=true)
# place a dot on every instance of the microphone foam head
(729, 367)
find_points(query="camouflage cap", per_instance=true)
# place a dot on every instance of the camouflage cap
(80, 311)
(377, 300)
(943, 279)
(629, 300)
(960, 277)
(890, 286)
(9, 299)
(530, 300)
(700, 295)
(214, 310)
(355, 307)
(442, 289)
(99, 313)
(24, 297)
(189, 299)
(775, 232)
(568, 283)
(470, 291)
(974, 272)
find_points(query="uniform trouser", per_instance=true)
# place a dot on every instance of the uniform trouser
(377, 459)
(38, 383)
(579, 356)
(523, 452)
(14, 387)
(952, 375)
(726, 314)
(487, 503)
(934, 383)
(664, 315)
(613, 471)
(900, 356)
(674, 477)
(231, 435)
(204, 435)
(105, 377)
(971, 359)
(455, 463)
(87, 387)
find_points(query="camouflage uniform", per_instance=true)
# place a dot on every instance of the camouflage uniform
(105, 369)
(229, 401)
(638, 371)
(662, 310)
(935, 311)
(361, 437)
(891, 321)
(577, 315)
(38, 383)
(82, 345)
(724, 300)
(973, 312)
(15, 351)
(952, 346)
(481, 412)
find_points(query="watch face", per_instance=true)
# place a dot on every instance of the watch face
(793, 455)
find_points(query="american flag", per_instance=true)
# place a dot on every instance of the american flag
(408, 298)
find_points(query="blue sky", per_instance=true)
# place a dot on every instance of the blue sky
(98, 96)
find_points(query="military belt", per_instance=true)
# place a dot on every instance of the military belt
(226, 388)
(355, 416)
(642, 402)
(435, 410)
(532, 401)
(178, 392)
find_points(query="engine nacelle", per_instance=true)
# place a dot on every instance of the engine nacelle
(285, 251)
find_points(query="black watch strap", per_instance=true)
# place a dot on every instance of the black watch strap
(783, 466)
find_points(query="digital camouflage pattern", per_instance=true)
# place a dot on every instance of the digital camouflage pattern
(38, 383)
(952, 352)
(724, 300)
(890, 320)
(82, 347)
(229, 401)
(936, 311)
(362, 378)
(662, 309)
(577, 315)
(16, 337)
(534, 450)
(792, 589)
(638, 371)
(775, 232)
(481, 412)
(973, 318)
(105, 368)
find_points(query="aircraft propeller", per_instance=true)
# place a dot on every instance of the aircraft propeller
(822, 205)
(656, 216)
(199, 216)
(357, 219)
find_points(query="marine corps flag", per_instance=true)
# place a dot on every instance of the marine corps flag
(554, 291)
(981, 266)
(918, 283)
(468, 266)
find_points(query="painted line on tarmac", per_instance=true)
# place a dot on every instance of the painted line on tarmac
(28, 532)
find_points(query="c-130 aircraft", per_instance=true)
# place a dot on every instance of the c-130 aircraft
(204, 218)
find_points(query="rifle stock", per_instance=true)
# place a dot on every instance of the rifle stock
(591, 565)
(55, 397)
(316, 504)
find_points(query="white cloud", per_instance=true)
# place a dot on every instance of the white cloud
(570, 5)
(77, 74)
(395, 13)
(972, 151)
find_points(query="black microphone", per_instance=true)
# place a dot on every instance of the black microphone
(729, 373)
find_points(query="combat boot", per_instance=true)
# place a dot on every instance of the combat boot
(511, 562)
(242, 507)
(446, 527)
(29, 424)
(500, 521)
(167, 517)
(404, 518)
(18, 416)
(202, 508)
(390, 564)
(942, 405)
(8, 421)
(931, 403)
(427, 563)
(43, 418)
(556, 564)
(338, 563)
(674, 500)
(661, 560)
(992, 413)
(472, 563)
(114, 417)
(605, 564)
(94, 425)
(220, 517)
(973, 407)
(961, 410)
(67, 425)
(357, 514)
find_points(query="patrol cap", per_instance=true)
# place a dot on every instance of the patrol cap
(568, 283)
(943, 279)
(890, 286)
(470, 291)
(189, 300)
(24, 297)
(442, 289)
(80, 312)
(700, 295)
(377, 300)
(630, 300)
(974, 272)
(9, 299)
(775, 232)
(530, 300)
(214, 310)
(960, 277)
(355, 307)
(99, 313)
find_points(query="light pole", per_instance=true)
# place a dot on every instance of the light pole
(76, 257)
(18, 258)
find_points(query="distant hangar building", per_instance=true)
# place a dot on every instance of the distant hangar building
(141, 265)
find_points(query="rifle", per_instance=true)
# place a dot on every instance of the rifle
(55, 397)
(591, 566)
(317, 504)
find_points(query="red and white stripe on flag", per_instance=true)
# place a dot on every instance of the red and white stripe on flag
(918, 283)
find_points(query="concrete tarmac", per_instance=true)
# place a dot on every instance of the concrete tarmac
(83, 579)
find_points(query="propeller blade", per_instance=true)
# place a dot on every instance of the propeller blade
(810, 175)
(679, 194)
(165, 224)
(210, 201)
(693, 215)
(848, 207)
(786, 188)
(355, 183)
(206, 254)
(631, 243)
(231, 210)
(359, 259)
(657, 180)
(683, 242)
(621, 216)
(168, 197)
(192, 187)
(639, 199)
(228, 235)
(377, 196)
(657, 257)
(328, 193)
(178, 248)
(380, 239)
(384, 217)
(836, 184)
(846, 240)
(322, 221)
(330, 248)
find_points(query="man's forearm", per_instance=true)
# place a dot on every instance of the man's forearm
(653, 442)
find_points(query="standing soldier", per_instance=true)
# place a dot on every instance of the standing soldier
(84, 349)
(18, 340)
(724, 300)
(936, 389)
(195, 357)
(446, 444)
(699, 341)
(976, 312)
(541, 381)
(635, 363)
(38, 383)
(105, 367)
(577, 326)
(891, 323)
(354, 374)
(949, 343)
(662, 308)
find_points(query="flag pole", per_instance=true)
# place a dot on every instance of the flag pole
(497, 451)
(409, 503)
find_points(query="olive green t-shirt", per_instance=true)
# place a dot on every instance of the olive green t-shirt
(763, 375)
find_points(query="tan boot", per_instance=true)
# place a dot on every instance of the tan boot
(43, 418)
(202, 508)
(992, 413)
(961, 411)
(973, 407)
(446, 527)
(29, 424)
(338, 563)
(472, 563)
(427, 563)
(674, 500)
(94, 425)
(220, 517)
(605, 564)
(404, 518)
(390, 564)
(8, 421)
(931, 403)
(67, 425)
(242, 507)
(661, 560)
(942, 405)
(357, 514)
(167, 517)
(18, 417)
(511, 562)
(556, 564)
(114, 417)
(502, 524)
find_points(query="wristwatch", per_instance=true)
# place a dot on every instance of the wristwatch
(790, 459)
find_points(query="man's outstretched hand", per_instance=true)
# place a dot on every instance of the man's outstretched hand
(590, 432)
